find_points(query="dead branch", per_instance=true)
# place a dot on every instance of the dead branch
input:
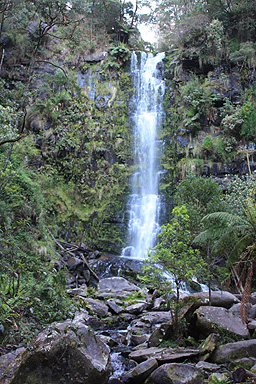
(74, 255)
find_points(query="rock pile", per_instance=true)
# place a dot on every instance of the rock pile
(138, 326)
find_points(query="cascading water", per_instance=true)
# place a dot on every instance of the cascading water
(144, 202)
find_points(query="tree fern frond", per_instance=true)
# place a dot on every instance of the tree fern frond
(224, 218)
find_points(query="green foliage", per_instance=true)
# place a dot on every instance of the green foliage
(208, 144)
(174, 252)
(8, 122)
(197, 101)
(215, 35)
(248, 129)
(245, 55)
(231, 233)
(175, 256)
(204, 27)
(214, 379)
(201, 196)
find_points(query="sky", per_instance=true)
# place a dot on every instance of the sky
(147, 32)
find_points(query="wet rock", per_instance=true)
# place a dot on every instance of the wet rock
(253, 298)
(114, 380)
(240, 375)
(140, 373)
(116, 284)
(73, 262)
(232, 351)
(209, 319)
(176, 374)
(154, 318)
(245, 362)
(252, 312)
(252, 326)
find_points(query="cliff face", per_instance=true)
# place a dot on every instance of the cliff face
(210, 125)
(78, 132)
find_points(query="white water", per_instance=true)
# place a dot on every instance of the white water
(144, 202)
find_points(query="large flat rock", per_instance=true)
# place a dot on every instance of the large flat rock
(116, 284)
(209, 319)
(164, 355)
(232, 351)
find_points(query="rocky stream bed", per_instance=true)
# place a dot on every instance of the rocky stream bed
(123, 334)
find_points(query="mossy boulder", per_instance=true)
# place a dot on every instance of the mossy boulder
(64, 353)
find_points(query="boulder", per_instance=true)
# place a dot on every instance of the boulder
(97, 307)
(159, 304)
(7, 359)
(160, 334)
(153, 318)
(116, 284)
(114, 306)
(219, 298)
(66, 352)
(209, 319)
(140, 373)
(176, 374)
(136, 309)
(232, 351)
(135, 339)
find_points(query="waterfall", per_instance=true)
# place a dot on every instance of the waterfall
(144, 201)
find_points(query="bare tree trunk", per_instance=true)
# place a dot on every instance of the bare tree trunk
(2, 59)
(8, 157)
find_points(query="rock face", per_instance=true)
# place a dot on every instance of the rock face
(209, 319)
(68, 352)
(176, 374)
